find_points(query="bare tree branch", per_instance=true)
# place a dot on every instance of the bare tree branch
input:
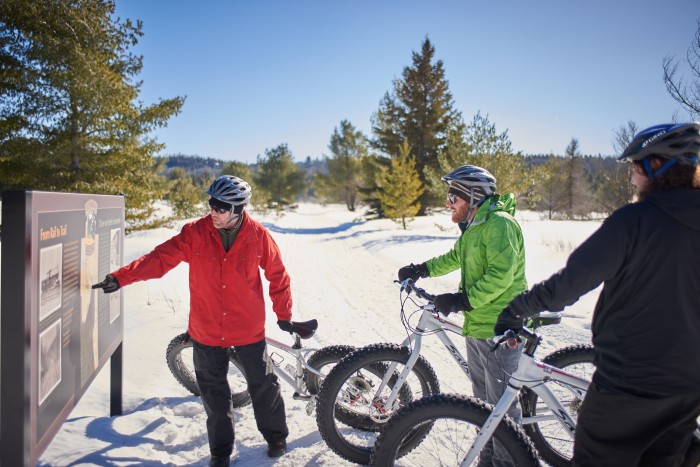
(686, 94)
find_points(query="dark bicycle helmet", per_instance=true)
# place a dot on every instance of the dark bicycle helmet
(679, 143)
(231, 190)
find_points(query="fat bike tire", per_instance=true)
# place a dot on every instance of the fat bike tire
(551, 439)
(178, 356)
(348, 414)
(453, 421)
(320, 360)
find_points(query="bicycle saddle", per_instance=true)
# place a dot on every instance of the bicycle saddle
(305, 329)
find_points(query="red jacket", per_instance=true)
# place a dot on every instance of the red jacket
(226, 297)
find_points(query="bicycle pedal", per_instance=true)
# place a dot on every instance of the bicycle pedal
(302, 397)
(311, 406)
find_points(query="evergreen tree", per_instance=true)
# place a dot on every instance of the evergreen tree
(278, 180)
(454, 154)
(348, 147)
(551, 186)
(70, 119)
(369, 189)
(186, 199)
(400, 187)
(419, 110)
(576, 190)
(478, 143)
(494, 152)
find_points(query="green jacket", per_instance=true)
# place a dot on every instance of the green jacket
(491, 256)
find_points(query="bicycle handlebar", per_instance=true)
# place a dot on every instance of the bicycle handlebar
(410, 285)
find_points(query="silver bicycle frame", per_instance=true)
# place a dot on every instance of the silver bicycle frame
(428, 322)
(293, 374)
(530, 373)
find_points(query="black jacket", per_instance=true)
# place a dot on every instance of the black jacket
(646, 324)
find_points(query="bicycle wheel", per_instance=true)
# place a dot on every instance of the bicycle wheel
(551, 439)
(348, 414)
(454, 422)
(323, 360)
(179, 358)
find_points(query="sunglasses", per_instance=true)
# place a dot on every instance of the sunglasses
(451, 198)
(217, 209)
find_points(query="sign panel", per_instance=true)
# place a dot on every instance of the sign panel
(56, 332)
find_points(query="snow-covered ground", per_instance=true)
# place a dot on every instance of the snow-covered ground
(342, 271)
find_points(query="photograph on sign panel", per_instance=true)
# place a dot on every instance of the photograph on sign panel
(50, 279)
(49, 360)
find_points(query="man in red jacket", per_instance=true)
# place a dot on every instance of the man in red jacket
(225, 251)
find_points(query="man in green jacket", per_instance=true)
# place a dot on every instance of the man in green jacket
(491, 258)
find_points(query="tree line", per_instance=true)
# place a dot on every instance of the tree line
(71, 120)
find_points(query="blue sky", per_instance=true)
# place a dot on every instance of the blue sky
(260, 73)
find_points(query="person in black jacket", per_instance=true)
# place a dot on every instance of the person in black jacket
(644, 400)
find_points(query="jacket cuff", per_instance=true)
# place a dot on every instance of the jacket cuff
(423, 270)
(464, 302)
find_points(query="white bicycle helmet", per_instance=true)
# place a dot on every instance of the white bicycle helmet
(474, 182)
(231, 190)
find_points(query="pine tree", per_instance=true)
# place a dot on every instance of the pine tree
(186, 199)
(400, 187)
(576, 189)
(419, 110)
(551, 186)
(478, 143)
(70, 119)
(278, 180)
(348, 147)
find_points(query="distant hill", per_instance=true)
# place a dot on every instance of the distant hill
(198, 165)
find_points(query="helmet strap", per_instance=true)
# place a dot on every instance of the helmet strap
(472, 209)
(651, 174)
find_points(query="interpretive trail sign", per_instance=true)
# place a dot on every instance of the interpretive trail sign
(56, 332)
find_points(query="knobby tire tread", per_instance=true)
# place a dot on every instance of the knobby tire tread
(388, 447)
(370, 358)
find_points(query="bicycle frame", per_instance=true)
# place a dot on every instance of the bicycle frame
(293, 374)
(429, 321)
(530, 373)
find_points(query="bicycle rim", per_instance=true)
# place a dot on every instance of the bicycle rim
(348, 413)
(453, 421)
(552, 440)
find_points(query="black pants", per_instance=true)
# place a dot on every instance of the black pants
(621, 429)
(211, 367)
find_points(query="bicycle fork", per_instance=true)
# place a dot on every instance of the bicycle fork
(491, 423)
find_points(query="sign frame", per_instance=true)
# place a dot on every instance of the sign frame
(56, 332)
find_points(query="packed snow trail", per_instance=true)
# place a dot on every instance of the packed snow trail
(342, 270)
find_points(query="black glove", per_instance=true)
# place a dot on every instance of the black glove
(109, 285)
(285, 326)
(508, 319)
(451, 303)
(413, 271)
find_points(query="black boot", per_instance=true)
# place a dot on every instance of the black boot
(276, 448)
(219, 461)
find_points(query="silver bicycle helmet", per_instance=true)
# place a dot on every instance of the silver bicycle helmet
(231, 190)
(679, 143)
(474, 182)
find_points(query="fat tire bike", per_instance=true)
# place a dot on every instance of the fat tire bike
(375, 381)
(304, 372)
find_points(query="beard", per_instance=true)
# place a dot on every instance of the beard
(460, 214)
